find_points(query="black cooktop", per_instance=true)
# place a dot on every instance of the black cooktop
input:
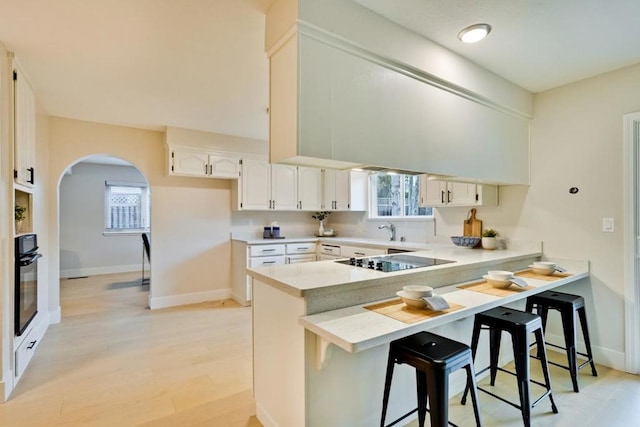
(393, 262)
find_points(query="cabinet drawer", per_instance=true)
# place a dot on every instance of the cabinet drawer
(266, 250)
(26, 350)
(356, 251)
(330, 250)
(300, 248)
(266, 261)
(296, 259)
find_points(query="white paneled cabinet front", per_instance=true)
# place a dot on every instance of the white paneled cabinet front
(24, 129)
(279, 187)
(336, 192)
(193, 162)
(438, 193)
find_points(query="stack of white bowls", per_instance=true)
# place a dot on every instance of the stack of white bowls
(546, 268)
(412, 295)
(498, 278)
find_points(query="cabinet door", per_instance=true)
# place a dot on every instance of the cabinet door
(309, 189)
(25, 129)
(432, 192)
(342, 198)
(358, 191)
(189, 162)
(223, 166)
(284, 187)
(461, 194)
(256, 184)
(328, 189)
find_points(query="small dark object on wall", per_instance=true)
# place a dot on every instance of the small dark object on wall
(573, 190)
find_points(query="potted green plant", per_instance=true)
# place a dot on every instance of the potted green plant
(489, 240)
(19, 216)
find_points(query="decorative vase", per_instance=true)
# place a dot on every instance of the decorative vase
(321, 228)
(489, 243)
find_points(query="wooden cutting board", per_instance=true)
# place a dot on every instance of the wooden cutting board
(472, 226)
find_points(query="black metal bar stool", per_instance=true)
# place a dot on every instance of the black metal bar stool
(520, 325)
(567, 305)
(434, 358)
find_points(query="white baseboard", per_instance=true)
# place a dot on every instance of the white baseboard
(264, 417)
(240, 300)
(601, 355)
(95, 271)
(6, 386)
(55, 316)
(191, 298)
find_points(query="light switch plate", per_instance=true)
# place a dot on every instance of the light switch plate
(608, 225)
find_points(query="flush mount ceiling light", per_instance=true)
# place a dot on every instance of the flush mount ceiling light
(474, 33)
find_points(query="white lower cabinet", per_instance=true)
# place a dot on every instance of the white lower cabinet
(26, 349)
(360, 251)
(300, 252)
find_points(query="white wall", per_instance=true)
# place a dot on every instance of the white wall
(191, 217)
(84, 249)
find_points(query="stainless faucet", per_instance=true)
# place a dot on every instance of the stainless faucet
(392, 230)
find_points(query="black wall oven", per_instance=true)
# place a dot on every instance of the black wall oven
(26, 290)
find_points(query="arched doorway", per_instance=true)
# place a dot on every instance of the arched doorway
(103, 208)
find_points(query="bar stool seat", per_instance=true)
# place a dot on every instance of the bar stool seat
(519, 325)
(434, 357)
(568, 305)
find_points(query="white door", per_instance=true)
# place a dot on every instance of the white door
(224, 166)
(329, 189)
(189, 162)
(432, 192)
(342, 190)
(461, 194)
(25, 129)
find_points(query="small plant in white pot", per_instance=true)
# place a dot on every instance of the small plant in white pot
(489, 240)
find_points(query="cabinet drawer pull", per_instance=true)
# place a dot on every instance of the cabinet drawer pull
(32, 174)
(267, 250)
(448, 196)
(300, 248)
(31, 345)
(359, 253)
(442, 196)
(268, 262)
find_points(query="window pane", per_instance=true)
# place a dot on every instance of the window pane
(397, 196)
(126, 208)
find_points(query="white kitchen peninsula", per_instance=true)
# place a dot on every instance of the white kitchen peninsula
(320, 357)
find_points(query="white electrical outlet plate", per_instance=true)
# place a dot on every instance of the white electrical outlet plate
(607, 225)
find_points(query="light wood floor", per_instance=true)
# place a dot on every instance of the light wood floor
(112, 362)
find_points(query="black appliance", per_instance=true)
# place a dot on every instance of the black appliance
(26, 284)
(394, 262)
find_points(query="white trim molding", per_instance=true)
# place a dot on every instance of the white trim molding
(95, 271)
(631, 186)
(190, 298)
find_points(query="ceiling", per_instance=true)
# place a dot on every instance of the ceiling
(200, 64)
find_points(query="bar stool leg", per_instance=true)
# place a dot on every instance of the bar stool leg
(543, 312)
(438, 391)
(521, 360)
(421, 383)
(387, 387)
(471, 384)
(474, 348)
(495, 336)
(545, 368)
(585, 332)
(569, 330)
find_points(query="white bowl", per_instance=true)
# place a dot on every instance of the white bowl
(502, 284)
(500, 275)
(542, 271)
(544, 264)
(417, 291)
(411, 302)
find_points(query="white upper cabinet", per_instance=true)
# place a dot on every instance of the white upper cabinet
(438, 193)
(24, 128)
(337, 106)
(267, 186)
(309, 189)
(336, 190)
(188, 161)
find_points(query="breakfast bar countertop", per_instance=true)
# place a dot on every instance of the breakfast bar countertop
(356, 328)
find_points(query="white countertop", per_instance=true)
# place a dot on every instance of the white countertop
(356, 329)
(254, 239)
(307, 279)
